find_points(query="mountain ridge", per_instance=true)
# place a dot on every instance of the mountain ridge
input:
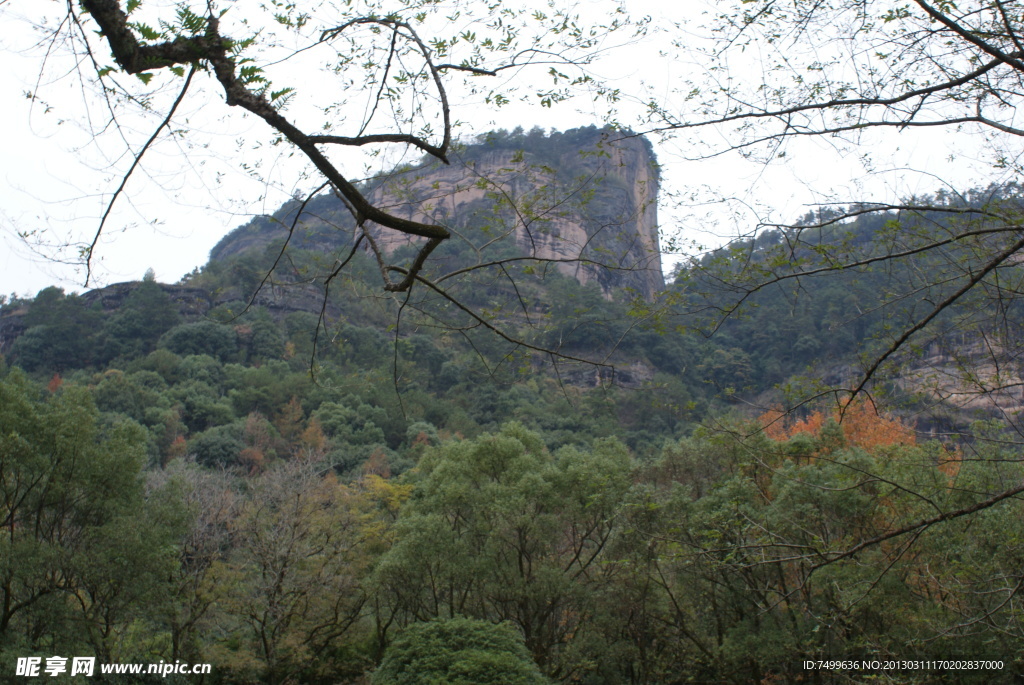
(584, 200)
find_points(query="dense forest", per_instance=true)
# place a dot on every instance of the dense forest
(331, 486)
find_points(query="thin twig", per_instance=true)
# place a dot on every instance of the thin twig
(135, 163)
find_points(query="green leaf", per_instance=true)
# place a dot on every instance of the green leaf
(146, 31)
(279, 93)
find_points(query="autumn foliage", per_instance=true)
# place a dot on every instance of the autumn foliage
(862, 425)
(55, 383)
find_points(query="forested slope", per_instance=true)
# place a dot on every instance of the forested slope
(165, 449)
(817, 305)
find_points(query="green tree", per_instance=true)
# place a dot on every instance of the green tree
(502, 530)
(458, 651)
(85, 553)
(201, 338)
(266, 342)
(221, 445)
(61, 333)
(352, 422)
(147, 313)
(293, 582)
(201, 405)
(754, 565)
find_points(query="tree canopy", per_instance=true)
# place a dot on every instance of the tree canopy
(458, 650)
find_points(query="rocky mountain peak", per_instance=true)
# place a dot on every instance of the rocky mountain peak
(583, 201)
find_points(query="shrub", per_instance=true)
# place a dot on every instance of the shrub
(458, 651)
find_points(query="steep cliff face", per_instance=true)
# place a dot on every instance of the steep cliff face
(583, 202)
(589, 208)
(980, 376)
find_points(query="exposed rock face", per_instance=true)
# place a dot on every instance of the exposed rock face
(975, 378)
(593, 211)
(191, 302)
(980, 377)
(586, 200)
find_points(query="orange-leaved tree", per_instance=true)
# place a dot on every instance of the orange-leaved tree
(861, 423)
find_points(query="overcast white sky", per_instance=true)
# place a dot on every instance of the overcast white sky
(55, 180)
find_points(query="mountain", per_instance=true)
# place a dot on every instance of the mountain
(820, 303)
(586, 198)
(553, 236)
(585, 201)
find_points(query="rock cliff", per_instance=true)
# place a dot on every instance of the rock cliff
(583, 201)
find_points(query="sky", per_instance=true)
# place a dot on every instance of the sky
(62, 160)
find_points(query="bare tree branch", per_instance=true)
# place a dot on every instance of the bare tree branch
(91, 248)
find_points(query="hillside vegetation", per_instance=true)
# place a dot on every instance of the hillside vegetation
(342, 487)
